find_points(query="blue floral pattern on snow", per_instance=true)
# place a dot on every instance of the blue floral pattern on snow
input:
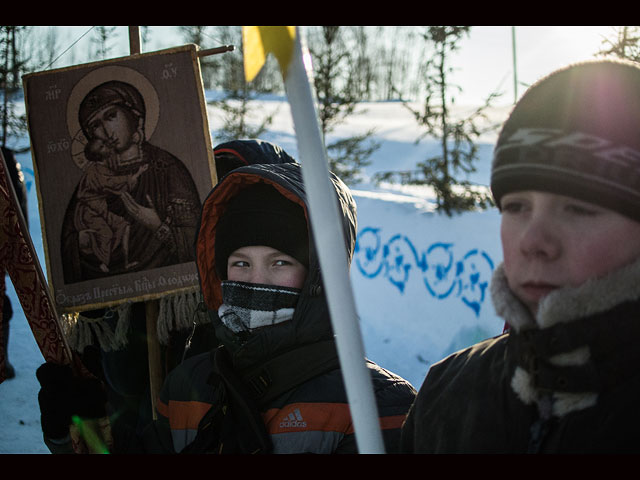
(443, 276)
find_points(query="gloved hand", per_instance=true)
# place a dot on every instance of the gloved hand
(62, 395)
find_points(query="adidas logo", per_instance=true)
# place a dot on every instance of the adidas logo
(293, 420)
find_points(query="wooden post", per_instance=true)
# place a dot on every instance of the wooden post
(152, 308)
(156, 375)
(134, 40)
(215, 51)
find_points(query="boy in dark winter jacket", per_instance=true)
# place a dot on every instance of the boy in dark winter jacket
(275, 386)
(564, 379)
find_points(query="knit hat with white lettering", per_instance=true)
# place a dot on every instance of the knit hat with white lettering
(576, 132)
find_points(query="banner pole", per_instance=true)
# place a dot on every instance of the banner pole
(329, 237)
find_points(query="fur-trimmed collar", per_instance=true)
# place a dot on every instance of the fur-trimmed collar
(563, 306)
(569, 303)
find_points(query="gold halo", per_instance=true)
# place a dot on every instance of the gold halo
(92, 80)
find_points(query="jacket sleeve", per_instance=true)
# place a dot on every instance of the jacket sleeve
(157, 437)
(59, 447)
(407, 434)
(394, 397)
(184, 400)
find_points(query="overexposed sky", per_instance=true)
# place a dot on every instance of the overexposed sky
(483, 64)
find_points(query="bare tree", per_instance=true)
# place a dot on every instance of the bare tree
(50, 49)
(198, 35)
(394, 50)
(13, 64)
(103, 41)
(237, 104)
(625, 45)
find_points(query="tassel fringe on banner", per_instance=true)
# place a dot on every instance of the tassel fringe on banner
(110, 332)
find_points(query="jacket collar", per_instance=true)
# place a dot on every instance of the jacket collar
(567, 304)
(581, 342)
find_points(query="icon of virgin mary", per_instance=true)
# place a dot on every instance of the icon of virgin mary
(136, 206)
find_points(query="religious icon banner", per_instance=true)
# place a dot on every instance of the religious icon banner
(123, 161)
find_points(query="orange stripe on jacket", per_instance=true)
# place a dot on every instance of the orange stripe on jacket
(393, 421)
(183, 415)
(327, 417)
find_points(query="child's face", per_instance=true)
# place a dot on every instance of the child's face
(551, 241)
(265, 265)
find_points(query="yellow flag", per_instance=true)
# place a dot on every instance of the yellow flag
(259, 41)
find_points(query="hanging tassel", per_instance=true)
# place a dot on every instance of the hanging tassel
(82, 331)
(176, 312)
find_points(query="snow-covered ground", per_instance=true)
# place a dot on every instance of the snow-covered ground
(420, 279)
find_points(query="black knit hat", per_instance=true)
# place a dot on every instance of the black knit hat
(576, 132)
(260, 215)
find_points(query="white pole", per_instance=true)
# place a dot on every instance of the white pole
(515, 67)
(327, 229)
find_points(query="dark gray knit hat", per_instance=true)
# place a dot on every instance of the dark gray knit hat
(576, 132)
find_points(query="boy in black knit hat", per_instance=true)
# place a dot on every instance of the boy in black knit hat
(566, 178)
(262, 242)
(275, 383)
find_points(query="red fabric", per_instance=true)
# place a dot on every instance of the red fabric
(2, 352)
(19, 260)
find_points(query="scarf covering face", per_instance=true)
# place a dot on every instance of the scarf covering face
(248, 306)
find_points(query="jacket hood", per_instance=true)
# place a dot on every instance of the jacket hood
(311, 321)
(240, 153)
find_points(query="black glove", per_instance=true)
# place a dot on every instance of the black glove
(62, 395)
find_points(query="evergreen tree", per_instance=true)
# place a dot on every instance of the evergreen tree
(338, 81)
(458, 150)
